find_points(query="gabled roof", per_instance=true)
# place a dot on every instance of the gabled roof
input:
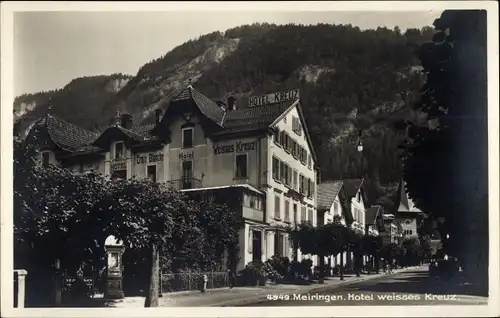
(207, 107)
(136, 135)
(252, 118)
(234, 121)
(405, 204)
(327, 192)
(372, 214)
(65, 135)
(352, 186)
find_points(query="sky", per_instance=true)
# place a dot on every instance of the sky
(52, 48)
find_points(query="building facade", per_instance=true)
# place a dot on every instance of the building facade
(333, 203)
(262, 155)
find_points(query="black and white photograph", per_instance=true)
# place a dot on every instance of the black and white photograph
(190, 158)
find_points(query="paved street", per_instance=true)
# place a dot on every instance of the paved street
(412, 287)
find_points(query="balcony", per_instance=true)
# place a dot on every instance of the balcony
(185, 183)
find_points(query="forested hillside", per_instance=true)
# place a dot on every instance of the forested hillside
(82, 101)
(349, 79)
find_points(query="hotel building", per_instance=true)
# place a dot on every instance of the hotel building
(262, 156)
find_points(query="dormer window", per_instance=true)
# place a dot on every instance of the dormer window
(187, 137)
(45, 159)
(119, 150)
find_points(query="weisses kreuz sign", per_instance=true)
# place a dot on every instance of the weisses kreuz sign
(239, 146)
(273, 98)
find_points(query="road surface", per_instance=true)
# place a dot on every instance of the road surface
(408, 288)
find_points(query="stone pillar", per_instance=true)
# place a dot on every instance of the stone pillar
(114, 250)
(21, 283)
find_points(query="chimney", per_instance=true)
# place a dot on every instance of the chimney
(221, 104)
(126, 121)
(158, 116)
(231, 103)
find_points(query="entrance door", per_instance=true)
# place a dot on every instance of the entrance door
(257, 245)
(187, 174)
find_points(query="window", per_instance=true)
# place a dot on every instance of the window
(302, 155)
(241, 166)
(282, 138)
(303, 214)
(278, 244)
(276, 169)
(296, 126)
(310, 216)
(277, 135)
(301, 184)
(285, 177)
(294, 148)
(45, 159)
(119, 150)
(152, 173)
(287, 211)
(187, 169)
(335, 208)
(309, 161)
(187, 137)
(309, 188)
(290, 175)
(295, 212)
(295, 181)
(252, 202)
(277, 213)
(286, 143)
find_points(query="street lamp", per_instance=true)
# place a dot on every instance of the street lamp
(447, 236)
(360, 144)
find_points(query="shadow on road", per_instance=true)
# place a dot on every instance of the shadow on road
(421, 283)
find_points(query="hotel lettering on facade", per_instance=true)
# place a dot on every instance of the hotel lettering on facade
(260, 156)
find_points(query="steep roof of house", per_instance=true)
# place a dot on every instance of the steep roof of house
(327, 192)
(253, 118)
(66, 135)
(207, 107)
(405, 203)
(352, 186)
(371, 214)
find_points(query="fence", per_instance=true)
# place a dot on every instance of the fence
(174, 282)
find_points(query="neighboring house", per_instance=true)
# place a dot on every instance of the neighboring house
(374, 220)
(354, 189)
(407, 214)
(261, 156)
(393, 231)
(333, 202)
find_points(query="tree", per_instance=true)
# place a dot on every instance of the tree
(435, 159)
(325, 240)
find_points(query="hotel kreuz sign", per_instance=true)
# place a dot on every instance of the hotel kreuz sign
(273, 98)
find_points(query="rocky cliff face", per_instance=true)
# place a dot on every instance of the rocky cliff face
(348, 79)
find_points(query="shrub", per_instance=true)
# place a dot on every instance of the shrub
(254, 273)
(280, 264)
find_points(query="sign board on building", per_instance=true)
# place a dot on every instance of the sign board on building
(151, 158)
(184, 156)
(273, 98)
(239, 146)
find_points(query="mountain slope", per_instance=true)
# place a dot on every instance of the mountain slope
(82, 101)
(349, 79)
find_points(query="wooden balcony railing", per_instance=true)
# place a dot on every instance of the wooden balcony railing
(185, 183)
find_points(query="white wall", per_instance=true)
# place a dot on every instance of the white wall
(276, 188)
